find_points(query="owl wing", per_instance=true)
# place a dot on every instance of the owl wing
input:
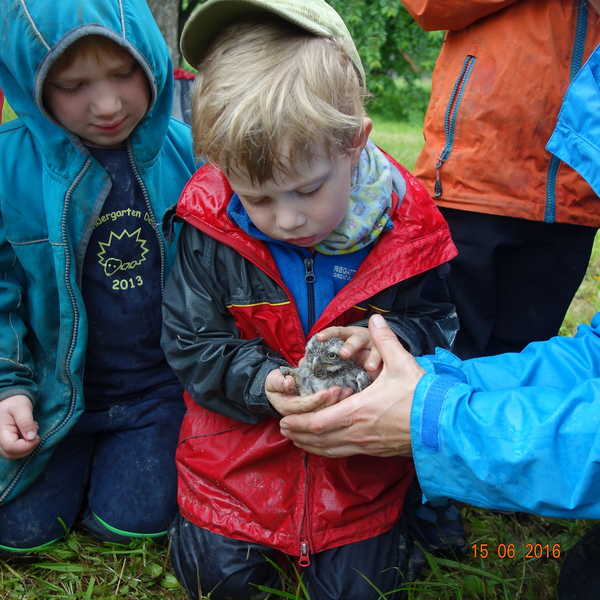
(362, 380)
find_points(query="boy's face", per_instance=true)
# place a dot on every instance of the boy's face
(305, 208)
(99, 98)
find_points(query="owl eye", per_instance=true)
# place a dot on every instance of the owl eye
(332, 355)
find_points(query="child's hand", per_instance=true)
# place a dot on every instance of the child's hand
(18, 430)
(281, 393)
(357, 346)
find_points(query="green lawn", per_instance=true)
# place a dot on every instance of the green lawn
(82, 569)
(402, 140)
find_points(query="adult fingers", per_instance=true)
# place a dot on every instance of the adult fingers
(372, 363)
(336, 451)
(331, 418)
(334, 331)
(321, 399)
(391, 351)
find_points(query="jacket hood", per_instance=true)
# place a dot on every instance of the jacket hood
(34, 33)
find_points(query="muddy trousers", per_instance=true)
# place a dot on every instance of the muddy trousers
(228, 569)
(114, 471)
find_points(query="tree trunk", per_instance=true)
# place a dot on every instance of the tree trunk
(166, 13)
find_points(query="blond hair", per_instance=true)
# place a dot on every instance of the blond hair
(270, 94)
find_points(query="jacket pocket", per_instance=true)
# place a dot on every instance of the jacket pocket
(450, 117)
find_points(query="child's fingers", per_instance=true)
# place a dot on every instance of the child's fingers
(26, 426)
(13, 445)
(16, 448)
(289, 385)
(277, 382)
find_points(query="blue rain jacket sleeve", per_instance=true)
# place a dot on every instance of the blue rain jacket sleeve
(576, 138)
(515, 431)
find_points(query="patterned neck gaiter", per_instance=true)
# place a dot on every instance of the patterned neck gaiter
(370, 200)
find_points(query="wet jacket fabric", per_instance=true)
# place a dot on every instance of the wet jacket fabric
(576, 138)
(51, 192)
(229, 320)
(521, 431)
(498, 84)
(516, 431)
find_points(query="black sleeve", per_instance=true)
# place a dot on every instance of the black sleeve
(221, 371)
(420, 311)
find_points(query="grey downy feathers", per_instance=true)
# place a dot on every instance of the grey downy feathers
(322, 368)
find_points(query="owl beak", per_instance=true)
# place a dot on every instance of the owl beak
(317, 369)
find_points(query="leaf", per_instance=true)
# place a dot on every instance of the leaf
(62, 567)
(278, 593)
(169, 581)
(90, 589)
(153, 569)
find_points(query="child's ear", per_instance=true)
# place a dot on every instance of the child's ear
(361, 139)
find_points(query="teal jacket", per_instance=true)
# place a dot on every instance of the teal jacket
(521, 431)
(51, 192)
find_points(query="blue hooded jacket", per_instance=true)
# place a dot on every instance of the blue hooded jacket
(51, 192)
(521, 432)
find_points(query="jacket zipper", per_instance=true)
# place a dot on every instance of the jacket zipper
(304, 555)
(154, 224)
(450, 119)
(576, 62)
(309, 277)
(70, 351)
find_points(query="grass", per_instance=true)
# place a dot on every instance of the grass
(80, 568)
(402, 140)
(587, 300)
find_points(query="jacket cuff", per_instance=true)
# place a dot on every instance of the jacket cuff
(432, 465)
(427, 406)
(257, 402)
(8, 392)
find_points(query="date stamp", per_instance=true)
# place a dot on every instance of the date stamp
(512, 551)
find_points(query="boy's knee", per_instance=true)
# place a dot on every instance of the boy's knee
(208, 563)
(108, 531)
(23, 543)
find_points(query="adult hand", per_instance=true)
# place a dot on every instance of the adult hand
(18, 430)
(375, 421)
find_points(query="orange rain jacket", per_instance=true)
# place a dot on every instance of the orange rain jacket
(498, 85)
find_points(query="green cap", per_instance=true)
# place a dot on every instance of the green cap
(315, 16)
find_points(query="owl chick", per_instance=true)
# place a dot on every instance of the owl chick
(322, 368)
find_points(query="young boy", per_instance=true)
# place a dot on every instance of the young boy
(297, 223)
(86, 173)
